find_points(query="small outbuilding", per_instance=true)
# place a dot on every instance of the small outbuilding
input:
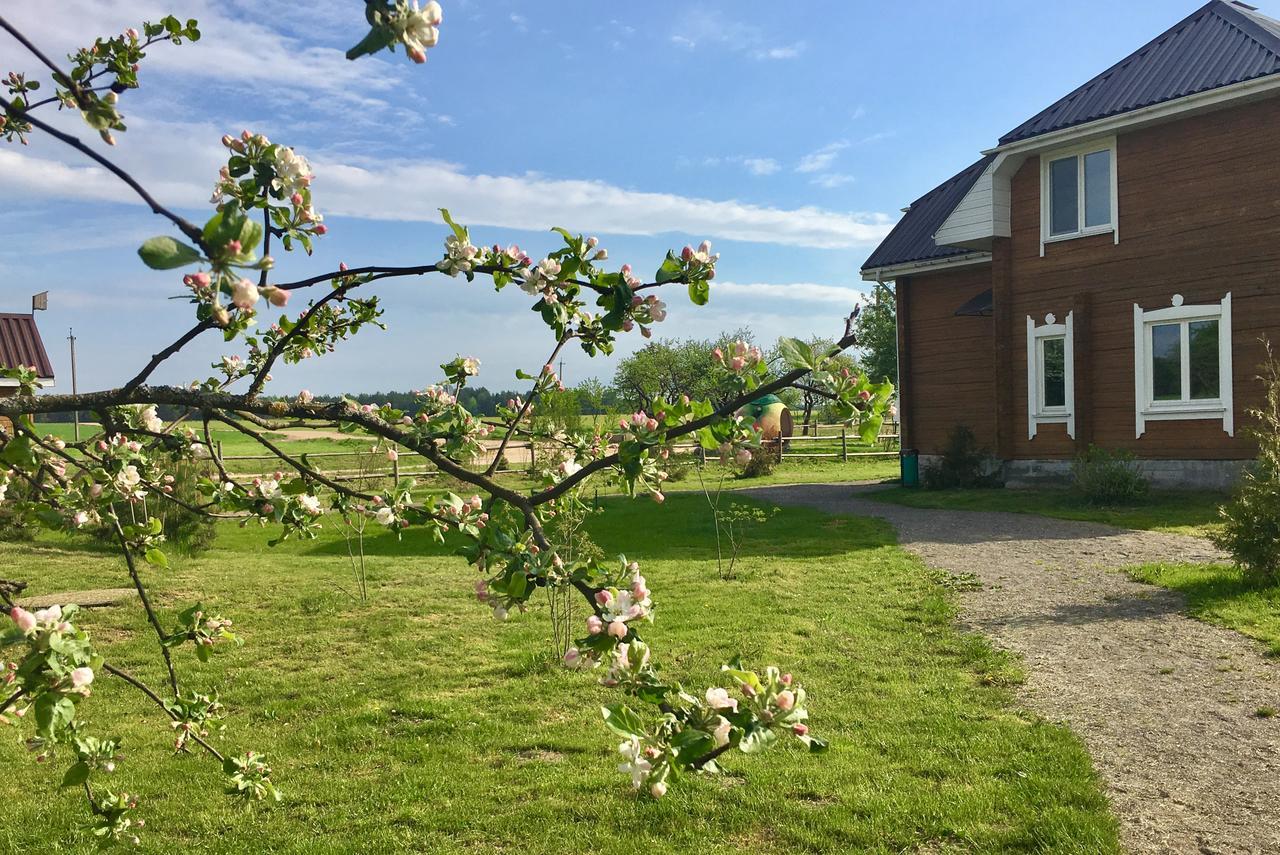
(20, 344)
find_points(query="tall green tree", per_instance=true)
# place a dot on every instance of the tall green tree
(877, 329)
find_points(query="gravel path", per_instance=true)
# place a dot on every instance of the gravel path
(1166, 704)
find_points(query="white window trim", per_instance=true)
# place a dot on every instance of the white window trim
(1104, 144)
(1037, 414)
(1145, 409)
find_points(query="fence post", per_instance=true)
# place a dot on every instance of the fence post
(844, 444)
(533, 465)
(219, 444)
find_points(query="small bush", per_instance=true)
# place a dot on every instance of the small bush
(15, 526)
(1251, 520)
(1104, 477)
(763, 459)
(964, 464)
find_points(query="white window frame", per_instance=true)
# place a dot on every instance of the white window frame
(1078, 151)
(1037, 413)
(1147, 409)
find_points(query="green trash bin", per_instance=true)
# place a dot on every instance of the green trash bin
(910, 464)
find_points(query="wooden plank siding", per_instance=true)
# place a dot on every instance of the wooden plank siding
(1199, 215)
(948, 368)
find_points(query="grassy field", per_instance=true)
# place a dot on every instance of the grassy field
(1182, 512)
(353, 448)
(1219, 594)
(416, 723)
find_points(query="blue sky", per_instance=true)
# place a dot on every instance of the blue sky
(788, 134)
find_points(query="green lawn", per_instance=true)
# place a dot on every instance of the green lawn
(1182, 512)
(417, 724)
(1219, 594)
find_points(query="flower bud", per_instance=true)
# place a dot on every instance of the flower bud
(594, 624)
(800, 728)
(785, 700)
(658, 789)
(618, 629)
(686, 253)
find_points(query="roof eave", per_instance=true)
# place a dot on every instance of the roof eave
(890, 272)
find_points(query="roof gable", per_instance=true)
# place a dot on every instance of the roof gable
(1219, 44)
(912, 238)
(20, 344)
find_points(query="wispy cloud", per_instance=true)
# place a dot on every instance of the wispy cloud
(521, 22)
(790, 51)
(808, 291)
(761, 165)
(821, 159)
(684, 42)
(832, 180)
(175, 169)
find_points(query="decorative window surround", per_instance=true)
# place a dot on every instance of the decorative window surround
(1079, 152)
(1147, 408)
(1038, 411)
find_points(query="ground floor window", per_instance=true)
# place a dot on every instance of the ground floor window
(1050, 375)
(1182, 363)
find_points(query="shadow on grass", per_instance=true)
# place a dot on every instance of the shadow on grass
(682, 527)
(1221, 594)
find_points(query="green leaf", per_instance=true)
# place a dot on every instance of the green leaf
(458, 230)
(757, 740)
(796, 353)
(869, 429)
(816, 744)
(622, 720)
(166, 253)
(76, 775)
(699, 292)
(157, 558)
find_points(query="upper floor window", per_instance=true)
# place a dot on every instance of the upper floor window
(1182, 365)
(1078, 191)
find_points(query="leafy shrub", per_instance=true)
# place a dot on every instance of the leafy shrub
(763, 459)
(188, 532)
(1251, 520)
(15, 526)
(1105, 477)
(964, 464)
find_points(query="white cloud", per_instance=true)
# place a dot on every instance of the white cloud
(681, 41)
(832, 180)
(821, 159)
(179, 162)
(761, 165)
(522, 23)
(782, 51)
(808, 291)
(233, 48)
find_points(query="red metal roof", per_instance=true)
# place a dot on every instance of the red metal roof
(20, 344)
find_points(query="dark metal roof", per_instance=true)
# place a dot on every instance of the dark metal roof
(1219, 44)
(20, 344)
(912, 238)
(979, 306)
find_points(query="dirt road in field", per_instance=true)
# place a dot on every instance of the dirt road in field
(1167, 705)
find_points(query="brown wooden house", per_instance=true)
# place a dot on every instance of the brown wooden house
(20, 345)
(1105, 273)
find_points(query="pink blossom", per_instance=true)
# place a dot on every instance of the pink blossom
(785, 700)
(604, 598)
(864, 395)
(800, 728)
(393, 455)
(322, 229)
(25, 620)
(572, 658)
(81, 677)
(658, 789)
(686, 253)
(786, 679)
(657, 496)
(618, 629)
(296, 198)
(737, 363)
(278, 297)
(132, 33)
(594, 624)
(233, 247)
(705, 247)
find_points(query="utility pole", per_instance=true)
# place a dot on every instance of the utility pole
(71, 337)
(561, 372)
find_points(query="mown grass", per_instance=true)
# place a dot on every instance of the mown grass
(1183, 512)
(1220, 594)
(416, 723)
